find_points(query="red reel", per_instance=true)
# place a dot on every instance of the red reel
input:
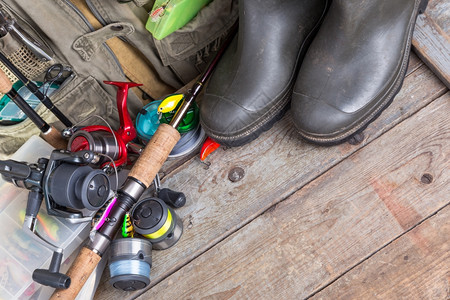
(101, 139)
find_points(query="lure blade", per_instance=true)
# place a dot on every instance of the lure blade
(209, 146)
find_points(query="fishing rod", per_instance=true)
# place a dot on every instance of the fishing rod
(49, 133)
(139, 179)
(35, 90)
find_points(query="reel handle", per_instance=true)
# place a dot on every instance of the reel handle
(172, 198)
(79, 272)
(127, 132)
(52, 277)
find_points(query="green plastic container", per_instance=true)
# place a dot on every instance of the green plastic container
(170, 15)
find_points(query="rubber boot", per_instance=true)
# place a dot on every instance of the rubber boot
(251, 87)
(354, 67)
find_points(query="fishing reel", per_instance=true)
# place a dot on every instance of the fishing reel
(102, 139)
(162, 111)
(67, 184)
(157, 226)
(154, 218)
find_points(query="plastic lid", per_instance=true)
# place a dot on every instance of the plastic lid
(147, 121)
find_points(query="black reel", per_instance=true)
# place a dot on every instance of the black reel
(69, 183)
(66, 182)
(78, 187)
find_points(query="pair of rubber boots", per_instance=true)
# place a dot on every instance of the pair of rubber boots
(338, 63)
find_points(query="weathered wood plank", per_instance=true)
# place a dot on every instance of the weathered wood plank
(416, 266)
(432, 45)
(275, 165)
(439, 11)
(333, 223)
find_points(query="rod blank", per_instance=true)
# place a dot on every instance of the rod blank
(35, 90)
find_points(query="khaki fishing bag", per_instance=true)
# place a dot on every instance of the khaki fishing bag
(107, 40)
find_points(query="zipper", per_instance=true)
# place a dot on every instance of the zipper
(91, 28)
(96, 13)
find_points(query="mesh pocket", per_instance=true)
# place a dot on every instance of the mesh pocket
(26, 62)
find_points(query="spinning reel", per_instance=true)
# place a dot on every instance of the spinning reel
(162, 111)
(157, 226)
(104, 140)
(67, 184)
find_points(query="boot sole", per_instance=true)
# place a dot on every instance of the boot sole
(396, 86)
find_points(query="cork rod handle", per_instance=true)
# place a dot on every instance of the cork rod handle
(5, 83)
(54, 138)
(155, 154)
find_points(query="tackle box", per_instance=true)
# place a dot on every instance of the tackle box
(170, 15)
(19, 254)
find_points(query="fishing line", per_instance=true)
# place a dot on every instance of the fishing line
(124, 267)
(130, 263)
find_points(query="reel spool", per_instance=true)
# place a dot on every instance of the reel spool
(98, 139)
(130, 264)
(69, 183)
(192, 135)
(153, 219)
(79, 187)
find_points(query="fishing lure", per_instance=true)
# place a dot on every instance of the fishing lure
(100, 217)
(209, 146)
(170, 103)
(127, 227)
(157, 13)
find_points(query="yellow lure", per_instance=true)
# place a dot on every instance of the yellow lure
(127, 227)
(169, 103)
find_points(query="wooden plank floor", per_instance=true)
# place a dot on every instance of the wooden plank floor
(363, 220)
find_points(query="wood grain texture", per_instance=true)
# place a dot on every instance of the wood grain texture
(439, 11)
(79, 272)
(155, 154)
(332, 224)
(432, 45)
(415, 266)
(276, 165)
